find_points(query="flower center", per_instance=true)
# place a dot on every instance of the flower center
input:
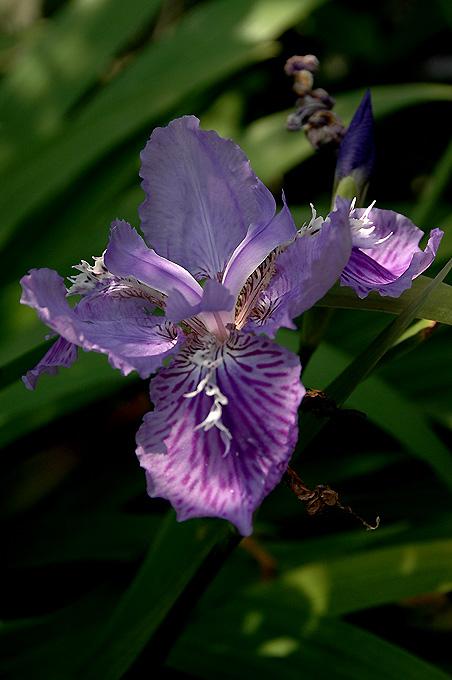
(248, 298)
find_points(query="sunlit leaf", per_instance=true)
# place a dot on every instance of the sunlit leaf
(275, 637)
(437, 308)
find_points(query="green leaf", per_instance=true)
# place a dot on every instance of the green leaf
(372, 578)
(63, 59)
(343, 386)
(212, 41)
(437, 308)
(175, 557)
(434, 188)
(274, 637)
(388, 408)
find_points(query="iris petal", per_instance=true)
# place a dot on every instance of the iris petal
(62, 353)
(305, 272)
(223, 428)
(260, 241)
(201, 196)
(394, 261)
(120, 327)
(128, 255)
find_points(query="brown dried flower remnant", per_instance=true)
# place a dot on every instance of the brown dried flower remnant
(321, 498)
(313, 113)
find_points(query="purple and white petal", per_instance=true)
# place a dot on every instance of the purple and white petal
(62, 353)
(120, 327)
(123, 329)
(224, 427)
(394, 259)
(128, 255)
(201, 196)
(305, 271)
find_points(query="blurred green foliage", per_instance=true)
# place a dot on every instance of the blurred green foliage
(98, 581)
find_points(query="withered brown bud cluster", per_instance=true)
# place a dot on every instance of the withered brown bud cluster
(314, 107)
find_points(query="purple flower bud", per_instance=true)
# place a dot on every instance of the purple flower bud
(357, 151)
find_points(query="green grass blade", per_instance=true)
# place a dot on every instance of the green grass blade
(438, 307)
(371, 578)
(65, 58)
(343, 386)
(212, 41)
(389, 409)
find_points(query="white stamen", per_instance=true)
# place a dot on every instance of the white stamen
(363, 228)
(90, 278)
(314, 226)
(95, 278)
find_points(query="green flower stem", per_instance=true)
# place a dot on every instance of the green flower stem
(342, 387)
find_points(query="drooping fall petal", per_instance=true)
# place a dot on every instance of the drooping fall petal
(223, 428)
(121, 327)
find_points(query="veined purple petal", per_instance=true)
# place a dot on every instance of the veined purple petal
(305, 272)
(394, 261)
(260, 241)
(128, 255)
(201, 196)
(62, 353)
(120, 327)
(223, 428)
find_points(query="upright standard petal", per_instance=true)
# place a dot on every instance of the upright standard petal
(201, 196)
(224, 427)
(120, 327)
(394, 259)
(260, 241)
(305, 271)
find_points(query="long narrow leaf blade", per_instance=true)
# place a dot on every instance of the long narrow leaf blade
(438, 307)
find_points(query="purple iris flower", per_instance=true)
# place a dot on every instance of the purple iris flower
(223, 268)
(386, 256)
